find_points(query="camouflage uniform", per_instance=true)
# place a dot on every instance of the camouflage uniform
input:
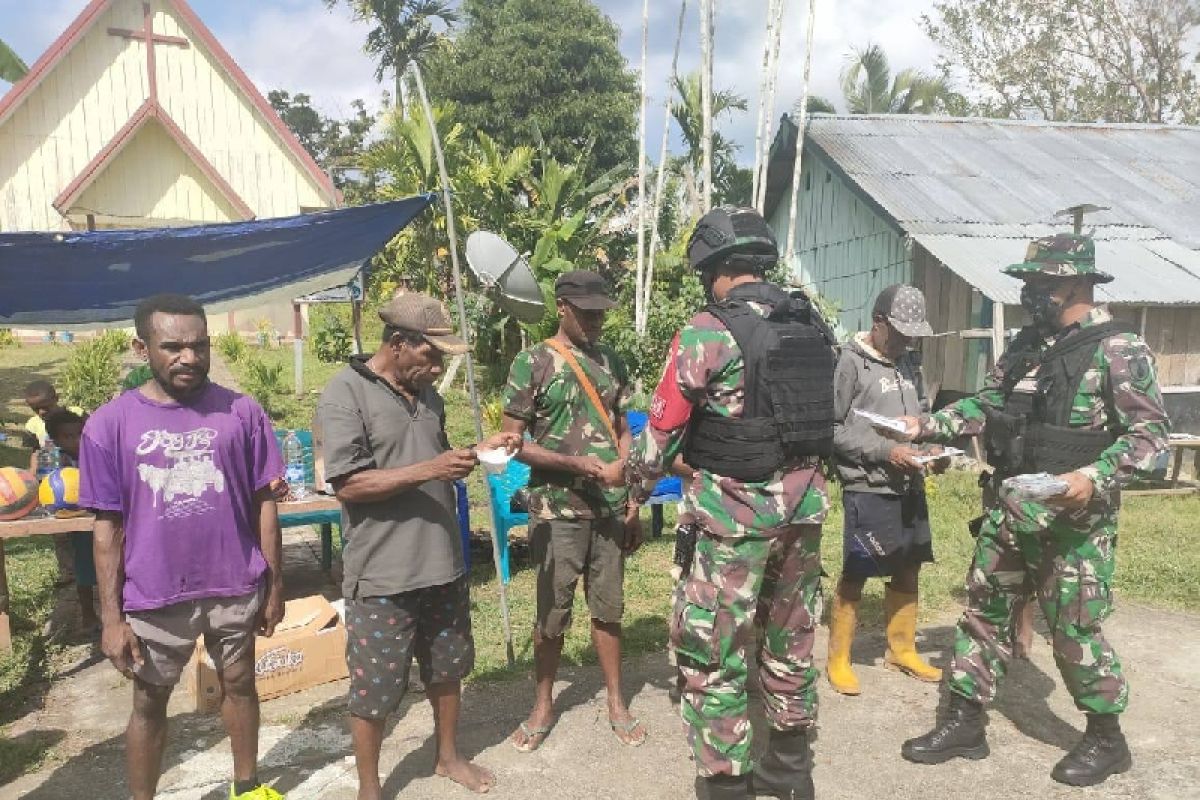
(757, 561)
(543, 391)
(1067, 557)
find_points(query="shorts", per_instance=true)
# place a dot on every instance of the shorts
(565, 549)
(167, 635)
(384, 633)
(884, 533)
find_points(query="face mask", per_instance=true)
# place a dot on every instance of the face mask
(1041, 305)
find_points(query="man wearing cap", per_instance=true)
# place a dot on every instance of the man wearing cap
(382, 428)
(1074, 395)
(570, 394)
(886, 529)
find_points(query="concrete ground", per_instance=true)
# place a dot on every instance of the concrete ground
(305, 750)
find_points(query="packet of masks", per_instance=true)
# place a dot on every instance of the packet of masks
(1036, 485)
(880, 421)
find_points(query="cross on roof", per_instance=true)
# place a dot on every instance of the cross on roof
(147, 35)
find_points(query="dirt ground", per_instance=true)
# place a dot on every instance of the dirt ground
(305, 748)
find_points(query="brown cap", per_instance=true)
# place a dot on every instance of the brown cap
(425, 315)
(584, 289)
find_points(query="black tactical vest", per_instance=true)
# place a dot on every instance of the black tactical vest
(788, 412)
(1032, 432)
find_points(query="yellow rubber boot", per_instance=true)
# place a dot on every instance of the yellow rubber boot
(842, 620)
(900, 609)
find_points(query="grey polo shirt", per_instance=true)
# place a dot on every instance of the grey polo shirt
(411, 540)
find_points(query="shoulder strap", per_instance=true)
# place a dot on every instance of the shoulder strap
(592, 395)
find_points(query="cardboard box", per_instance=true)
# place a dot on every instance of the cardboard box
(308, 648)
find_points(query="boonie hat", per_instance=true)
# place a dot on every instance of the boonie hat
(904, 308)
(425, 315)
(584, 289)
(1063, 255)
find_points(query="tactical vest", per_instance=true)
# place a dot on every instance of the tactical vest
(1032, 432)
(788, 376)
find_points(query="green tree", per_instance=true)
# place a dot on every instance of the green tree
(12, 68)
(525, 71)
(1074, 60)
(870, 88)
(336, 145)
(731, 183)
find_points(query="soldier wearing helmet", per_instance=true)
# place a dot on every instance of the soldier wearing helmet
(1073, 395)
(747, 400)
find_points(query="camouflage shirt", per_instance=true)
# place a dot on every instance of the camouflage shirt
(1119, 392)
(543, 392)
(709, 371)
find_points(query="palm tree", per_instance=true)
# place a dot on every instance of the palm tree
(689, 115)
(870, 88)
(12, 68)
(403, 33)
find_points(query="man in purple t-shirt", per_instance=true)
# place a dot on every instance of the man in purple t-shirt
(187, 537)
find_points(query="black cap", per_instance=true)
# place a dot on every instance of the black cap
(584, 289)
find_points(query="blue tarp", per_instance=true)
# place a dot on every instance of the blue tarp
(73, 278)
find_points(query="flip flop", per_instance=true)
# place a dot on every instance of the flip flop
(628, 728)
(529, 732)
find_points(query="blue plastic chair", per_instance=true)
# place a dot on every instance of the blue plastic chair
(503, 486)
(324, 519)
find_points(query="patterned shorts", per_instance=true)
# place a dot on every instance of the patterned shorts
(385, 633)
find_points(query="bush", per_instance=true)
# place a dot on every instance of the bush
(332, 342)
(264, 382)
(93, 373)
(113, 341)
(231, 346)
(7, 339)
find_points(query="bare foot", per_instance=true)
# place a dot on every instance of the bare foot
(626, 728)
(468, 774)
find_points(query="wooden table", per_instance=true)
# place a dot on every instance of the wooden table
(41, 526)
(1179, 448)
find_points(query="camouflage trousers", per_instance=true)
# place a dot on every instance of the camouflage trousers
(765, 580)
(1068, 560)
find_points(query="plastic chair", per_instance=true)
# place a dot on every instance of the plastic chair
(503, 486)
(325, 519)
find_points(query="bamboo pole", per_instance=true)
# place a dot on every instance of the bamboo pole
(760, 200)
(706, 103)
(639, 291)
(808, 46)
(661, 179)
(465, 332)
(760, 123)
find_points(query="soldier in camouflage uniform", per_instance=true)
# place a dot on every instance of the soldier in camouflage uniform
(579, 527)
(757, 556)
(1074, 394)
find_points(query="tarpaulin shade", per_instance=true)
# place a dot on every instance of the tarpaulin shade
(77, 278)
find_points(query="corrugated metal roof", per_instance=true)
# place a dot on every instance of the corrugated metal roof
(974, 191)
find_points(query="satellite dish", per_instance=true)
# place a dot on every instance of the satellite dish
(502, 270)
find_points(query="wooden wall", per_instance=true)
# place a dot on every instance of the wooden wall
(1173, 333)
(951, 305)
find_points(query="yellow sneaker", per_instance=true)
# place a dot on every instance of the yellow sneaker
(260, 792)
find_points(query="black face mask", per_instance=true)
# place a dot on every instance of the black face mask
(1041, 306)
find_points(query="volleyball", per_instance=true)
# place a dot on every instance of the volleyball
(18, 493)
(59, 491)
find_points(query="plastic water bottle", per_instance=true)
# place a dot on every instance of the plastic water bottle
(48, 460)
(293, 458)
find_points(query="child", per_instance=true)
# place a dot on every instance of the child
(65, 429)
(42, 399)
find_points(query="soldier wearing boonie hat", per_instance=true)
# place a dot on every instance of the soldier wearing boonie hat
(1074, 395)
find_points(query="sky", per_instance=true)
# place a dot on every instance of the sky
(301, 46)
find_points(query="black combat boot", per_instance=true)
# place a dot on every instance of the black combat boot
(1101, 752)
(723, 787)
(786, 769)
(960, 733)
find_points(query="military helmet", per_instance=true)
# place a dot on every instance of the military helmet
(731, 231)
(1063, 255)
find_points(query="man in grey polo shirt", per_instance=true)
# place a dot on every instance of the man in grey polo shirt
(383, 435)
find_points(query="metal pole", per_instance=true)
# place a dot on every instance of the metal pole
(298, 345)
(465, 332)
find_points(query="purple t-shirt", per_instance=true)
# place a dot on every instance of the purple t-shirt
(183, 478)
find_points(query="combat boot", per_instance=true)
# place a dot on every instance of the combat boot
(842, 619)
(723, 787)
(959, 733)
(786, 769)
(1101, 752)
